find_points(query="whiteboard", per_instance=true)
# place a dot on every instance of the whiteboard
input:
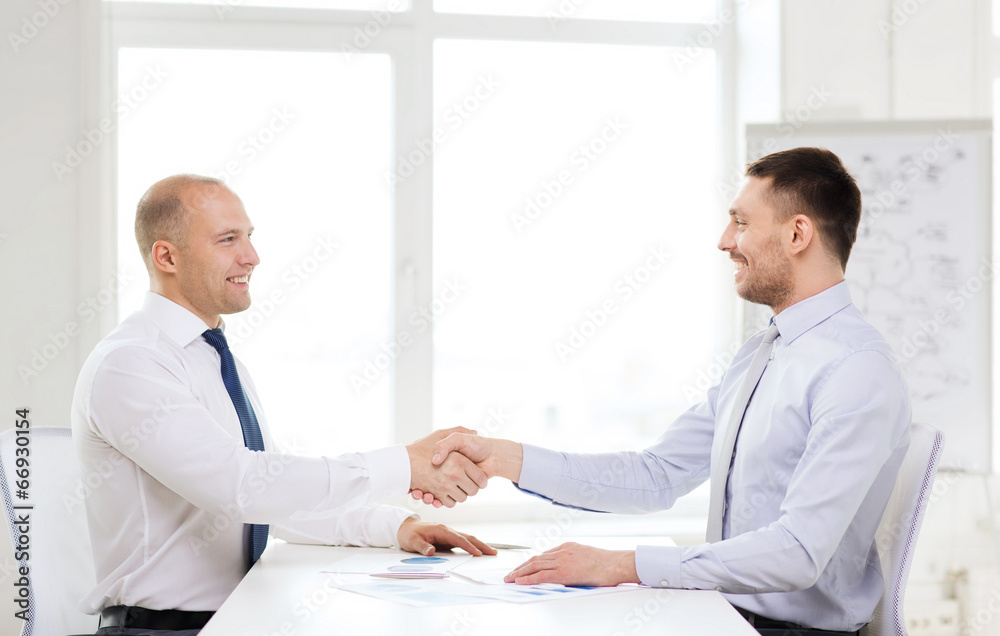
(922, 268)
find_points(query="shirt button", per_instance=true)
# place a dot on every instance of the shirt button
(664, 583)
(718, 589)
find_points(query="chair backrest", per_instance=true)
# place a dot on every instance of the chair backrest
(896, 537)
(55, 537)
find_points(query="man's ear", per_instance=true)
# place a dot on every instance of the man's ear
(802, 233)
(165, 256)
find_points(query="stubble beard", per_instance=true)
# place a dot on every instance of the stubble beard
(770, 281)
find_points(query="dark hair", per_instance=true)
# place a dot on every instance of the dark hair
(814, 182)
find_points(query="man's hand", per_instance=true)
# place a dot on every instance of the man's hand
(452, 481)
(496, 457)
(478, 449)
(425, 538)
(575, 564)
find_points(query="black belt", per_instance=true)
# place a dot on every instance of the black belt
(142, 618)
(762, 622)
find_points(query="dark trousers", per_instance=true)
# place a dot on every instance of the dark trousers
(767, 627)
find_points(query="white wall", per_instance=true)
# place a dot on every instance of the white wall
(909, 59)
(50, 254)
(888, 59)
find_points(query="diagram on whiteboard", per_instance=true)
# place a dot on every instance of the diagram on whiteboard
(921, 270)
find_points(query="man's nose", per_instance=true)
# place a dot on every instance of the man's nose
(251, 257)
(727, 242)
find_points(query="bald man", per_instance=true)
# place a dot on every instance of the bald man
(192, 482)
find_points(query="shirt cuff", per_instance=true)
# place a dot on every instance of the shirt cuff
(385, 522)
(659, 566)
(541, 471)
(388, 471)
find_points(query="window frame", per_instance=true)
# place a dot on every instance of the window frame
(408, 37)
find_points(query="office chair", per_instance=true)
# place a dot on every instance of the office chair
(61, 564)
(897, 532)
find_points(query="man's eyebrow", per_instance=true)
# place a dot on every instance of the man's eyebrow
(231, 231)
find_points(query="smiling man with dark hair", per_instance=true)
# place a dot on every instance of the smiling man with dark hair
(802, 439)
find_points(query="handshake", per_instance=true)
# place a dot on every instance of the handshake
(451, 465)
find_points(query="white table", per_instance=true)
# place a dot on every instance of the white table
(287, 594)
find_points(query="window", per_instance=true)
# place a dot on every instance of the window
(521, 220)
(573, 231)
(307, 163)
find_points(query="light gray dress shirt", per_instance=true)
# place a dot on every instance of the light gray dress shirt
(816, 460)
(169, 483)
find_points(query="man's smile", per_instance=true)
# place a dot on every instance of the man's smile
(740, 265)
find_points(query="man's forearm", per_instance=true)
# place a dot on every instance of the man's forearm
(508, 457)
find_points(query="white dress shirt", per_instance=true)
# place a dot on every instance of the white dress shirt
(822, 440)
(171, 483)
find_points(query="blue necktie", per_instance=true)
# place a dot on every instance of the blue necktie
(248, 421)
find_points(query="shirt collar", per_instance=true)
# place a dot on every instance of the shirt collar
(179, 324)
(806, 314)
